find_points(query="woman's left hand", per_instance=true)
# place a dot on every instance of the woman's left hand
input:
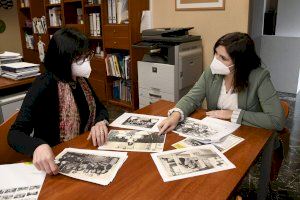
(99, 133)
(220, 114)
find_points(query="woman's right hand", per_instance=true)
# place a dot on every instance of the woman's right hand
(170, 123)
(43, 159)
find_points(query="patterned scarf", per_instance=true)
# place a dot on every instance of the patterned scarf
(68, 112)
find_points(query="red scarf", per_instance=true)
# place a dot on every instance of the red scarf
(69, 117)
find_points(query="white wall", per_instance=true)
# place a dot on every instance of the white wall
(281, 56)
(288, 18)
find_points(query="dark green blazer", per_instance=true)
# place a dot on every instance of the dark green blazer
(259, 103)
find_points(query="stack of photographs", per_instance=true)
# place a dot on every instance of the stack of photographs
(93, 166)
(207, 130)
(189, 162)
(224, 145)
(134, 140)
(138, 122)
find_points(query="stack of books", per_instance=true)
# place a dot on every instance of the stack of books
(20, 70)
(117, 11)
(55, 16)
(118, 65)
(95, 24)
(122, 90)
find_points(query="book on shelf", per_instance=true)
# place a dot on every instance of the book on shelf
(117, 11)
(92, 2)
(29, 39)
(55, 16)
(54, 1)
(122, 90)
(118, 65)
(95, 24)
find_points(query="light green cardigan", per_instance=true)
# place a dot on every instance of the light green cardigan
(259, 103)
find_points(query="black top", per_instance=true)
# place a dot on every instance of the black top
(40, 112)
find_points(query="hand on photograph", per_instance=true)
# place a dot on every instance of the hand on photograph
(99, 133)
(43, 159)
(169, 124)
(220, 114)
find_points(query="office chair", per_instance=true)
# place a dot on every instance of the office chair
(280, 153)
(7, 154)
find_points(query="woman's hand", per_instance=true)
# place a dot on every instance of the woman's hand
(99, 133)
(220, 114)
(170, 123)
(43, 159)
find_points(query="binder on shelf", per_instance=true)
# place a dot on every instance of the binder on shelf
(109, 11)
(91, 24)
(98, 24)
(114, 11)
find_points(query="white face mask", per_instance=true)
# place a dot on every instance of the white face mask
(81, 70)
(217, 67)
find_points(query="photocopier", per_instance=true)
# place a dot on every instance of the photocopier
(171, 66)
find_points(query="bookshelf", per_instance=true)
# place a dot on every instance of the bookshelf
(27, 10)
(111, 38)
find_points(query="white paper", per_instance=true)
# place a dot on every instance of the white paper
(20, 181)
(134, 140)
(146, 21)
(189, 162)
(90, 165)
(208, 130)
(227, 143)
(8, 54)
(138, 122)
(19, 65)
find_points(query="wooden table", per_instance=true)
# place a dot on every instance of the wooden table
(139, 178)
(6, 83)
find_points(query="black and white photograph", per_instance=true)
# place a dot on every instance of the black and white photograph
(138, 122)
(90, 165)
(134, 140)
(224, 145)
(189, 162)
(34, 187)
(207, 130)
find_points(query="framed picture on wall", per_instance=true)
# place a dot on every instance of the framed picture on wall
(200, 4)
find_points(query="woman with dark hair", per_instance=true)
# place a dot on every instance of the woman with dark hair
(61, 103)
(235, 86)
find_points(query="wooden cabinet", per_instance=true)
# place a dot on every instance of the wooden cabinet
(112, 39)
(26, 12)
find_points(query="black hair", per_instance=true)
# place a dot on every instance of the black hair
(65, 46)
(241, 50)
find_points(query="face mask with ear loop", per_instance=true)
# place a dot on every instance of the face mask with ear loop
(81, 70)
(217, 67)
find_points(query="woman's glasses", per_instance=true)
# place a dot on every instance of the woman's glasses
(79, 60)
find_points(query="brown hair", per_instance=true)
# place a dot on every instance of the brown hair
(241, 50)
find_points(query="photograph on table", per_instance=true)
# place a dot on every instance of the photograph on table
(189, 162)
(207, 130)
(90, 165)
(224, 145)
(138, 122)
(134, 140)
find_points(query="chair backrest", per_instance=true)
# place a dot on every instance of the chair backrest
(285, 107)
(7, 154)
